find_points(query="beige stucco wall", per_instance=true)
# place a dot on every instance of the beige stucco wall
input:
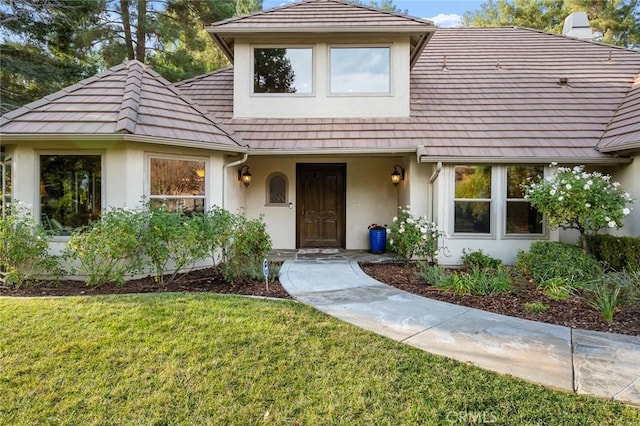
(370, 196)
(628, 176)
(320, 103)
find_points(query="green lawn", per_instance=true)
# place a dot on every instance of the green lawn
(208, 359)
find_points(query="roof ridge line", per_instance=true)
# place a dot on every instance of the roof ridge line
(201, 76)
(128, 115)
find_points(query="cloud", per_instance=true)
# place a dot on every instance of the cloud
(446, 20)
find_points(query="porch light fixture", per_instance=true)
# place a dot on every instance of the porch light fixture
(244, 176)
(397, 175)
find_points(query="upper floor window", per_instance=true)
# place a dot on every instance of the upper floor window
(360, 70)
(472, 202)
(70, 191)
(283, 70)
(521, 218)
(177, 184)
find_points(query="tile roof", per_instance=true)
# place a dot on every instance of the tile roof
(322, 16)
(498, 93)
(623, 132)
(130, 100)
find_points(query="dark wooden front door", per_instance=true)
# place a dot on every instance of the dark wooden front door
(320, 212)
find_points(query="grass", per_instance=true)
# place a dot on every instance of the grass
(207, 359)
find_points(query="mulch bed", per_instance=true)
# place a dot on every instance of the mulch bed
(574, 312)
(201, 280)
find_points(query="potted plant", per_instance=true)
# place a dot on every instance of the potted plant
(377, 238)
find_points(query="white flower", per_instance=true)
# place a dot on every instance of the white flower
(554, 163)
(612, 224)
(587, 205)
(560, 198)
(626, 211)
(606, 218)
(552, 192)
(568, 186)
(615, 184)
(401, 230)
(395, 219)
(435, 253)
(410, 221)
(589, 182)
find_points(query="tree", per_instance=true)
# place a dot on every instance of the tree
(615, 22)
(45, 45)
(273, 72)
(574, 199)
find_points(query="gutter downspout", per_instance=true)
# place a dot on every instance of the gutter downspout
(224, 176)
(432, 179)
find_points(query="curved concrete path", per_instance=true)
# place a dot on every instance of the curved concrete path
(601, 364)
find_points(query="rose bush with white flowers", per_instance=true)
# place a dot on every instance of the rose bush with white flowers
(413, 236)
(575, 199)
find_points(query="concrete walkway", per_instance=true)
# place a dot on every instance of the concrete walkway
(601, 364)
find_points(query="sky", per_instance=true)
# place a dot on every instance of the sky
(444, 13)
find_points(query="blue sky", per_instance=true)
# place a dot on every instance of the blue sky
(443, 13)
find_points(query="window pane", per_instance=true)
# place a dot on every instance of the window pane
(522, 218)
(187, 205)
(518, 175)
(70, 188)
(360, 70)
(177, 177)
(282, 70)
(473, 217)
(5, 182)
(473, 182)
(277, 190)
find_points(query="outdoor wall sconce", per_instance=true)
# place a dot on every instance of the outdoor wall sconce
(244, 177)
(397, 175)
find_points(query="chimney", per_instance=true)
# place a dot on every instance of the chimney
(577, 26)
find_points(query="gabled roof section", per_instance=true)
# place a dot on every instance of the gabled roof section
(322, 17)
(623, 132)
(130, 100)
(477, 94)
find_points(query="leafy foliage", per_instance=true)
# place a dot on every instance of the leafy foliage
(24, 249)
(433, 274)
(478, 281)
(550, 260)
(478, 259)
(573, 198)
(536, 307)
(110, 248)
(617, 253)
(249, 246)
(414, 236)
(613, 22)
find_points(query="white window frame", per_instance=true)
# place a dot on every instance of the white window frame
(498, 208)
(503, 214)
(389, 46)
(253, 47)
(37, 213)
(177, 157)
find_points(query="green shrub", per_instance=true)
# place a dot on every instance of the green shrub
(250, 244)
(536, 307)
(172, 238)
(618, 253)
(217, 228)
(477, 258)
(605, 295)
(547, 260)
(24, 249)
(433, 274)
(478, 281)
(109, 249)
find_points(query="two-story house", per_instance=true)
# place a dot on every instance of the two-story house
(325, 104)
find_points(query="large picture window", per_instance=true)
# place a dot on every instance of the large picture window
(283, 70)
(177, 184)
(70, 191)
(360, 70)
(472, 202)
(521, 218)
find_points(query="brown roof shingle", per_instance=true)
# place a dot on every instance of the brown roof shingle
(623, 132)
(128, 99)
(475, 93)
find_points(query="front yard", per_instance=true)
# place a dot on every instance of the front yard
(208, 359)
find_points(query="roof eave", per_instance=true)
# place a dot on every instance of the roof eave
(31, 137)
(524, 160)
(333, 151)
(629, 146)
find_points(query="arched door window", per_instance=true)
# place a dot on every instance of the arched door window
(277, 190)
